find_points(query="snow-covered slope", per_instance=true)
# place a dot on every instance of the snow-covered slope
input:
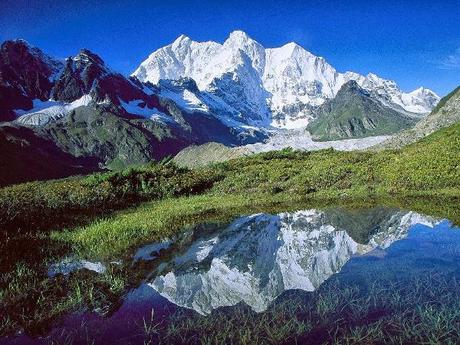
(44, 112)
(259, 86)
(257, 258)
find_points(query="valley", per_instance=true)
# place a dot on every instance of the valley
(224, 193)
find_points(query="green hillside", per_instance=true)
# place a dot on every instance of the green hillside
(354, 113)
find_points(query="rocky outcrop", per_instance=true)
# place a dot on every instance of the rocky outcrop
(25, 74)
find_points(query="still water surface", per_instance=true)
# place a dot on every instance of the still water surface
(378, 275)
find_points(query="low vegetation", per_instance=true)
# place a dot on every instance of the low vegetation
(41, 205)
(431, 166)
(99, 215)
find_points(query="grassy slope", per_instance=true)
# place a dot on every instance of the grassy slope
(445, 99)
(429, 165)
(429, 168)
(445, 114)
(195, 156)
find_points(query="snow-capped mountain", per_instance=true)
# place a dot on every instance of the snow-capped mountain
(268, 86)
(85, 80)
(256, 258)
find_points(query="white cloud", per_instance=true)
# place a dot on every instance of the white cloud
(452, 61)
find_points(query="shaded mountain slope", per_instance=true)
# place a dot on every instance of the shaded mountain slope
(26, 156)
(115, 141)
(83, 109)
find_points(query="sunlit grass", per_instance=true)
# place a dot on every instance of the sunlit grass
(155, 221)
(119, 235)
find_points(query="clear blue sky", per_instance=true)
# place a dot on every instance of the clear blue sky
(413, 42)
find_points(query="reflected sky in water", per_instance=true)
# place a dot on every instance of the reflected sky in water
(256, 260)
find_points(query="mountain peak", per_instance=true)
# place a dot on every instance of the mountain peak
(21, 46)
(239, 38)
(352, 87)
(16, 42)
(181, 39)
(292, 48)
(372, 76)
(292, 45)
(87, 56)
(23, 52)
(239, 35)
(351, 84)
(422, 91)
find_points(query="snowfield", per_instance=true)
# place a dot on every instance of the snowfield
(46, 111)
(300, 139)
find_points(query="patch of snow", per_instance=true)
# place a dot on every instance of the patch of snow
(44, 112)
(37, 105)
(150, 251)
(186, 100)
(70, 265)
(136, 107)
(291, 123)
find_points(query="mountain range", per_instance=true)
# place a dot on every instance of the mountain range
(261, 86)
(188, 92)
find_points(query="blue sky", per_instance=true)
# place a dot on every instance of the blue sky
(412, 42)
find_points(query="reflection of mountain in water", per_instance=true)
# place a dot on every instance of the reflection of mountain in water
(256, 258)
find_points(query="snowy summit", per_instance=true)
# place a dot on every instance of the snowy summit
(268, 86)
